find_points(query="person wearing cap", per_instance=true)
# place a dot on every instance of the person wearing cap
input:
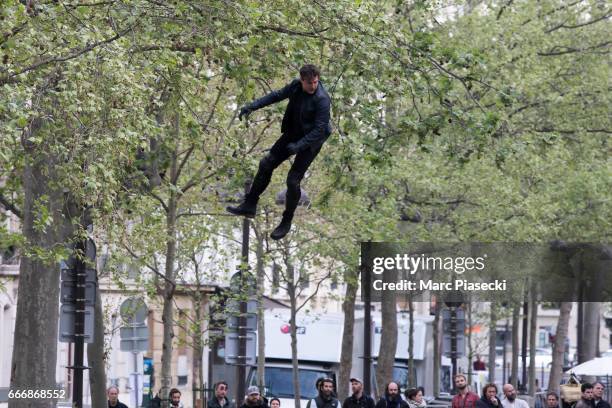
(358, 399)
(326, 397)
(254, 399)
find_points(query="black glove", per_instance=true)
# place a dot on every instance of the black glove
(245, 111)
(292, 148)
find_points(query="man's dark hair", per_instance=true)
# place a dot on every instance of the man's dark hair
(586, 386)
(221, 383)
(598, 382)
(172, 392)
(486, 388)
(411, 393)
(309, 71)
(326, 380)
(554, 394)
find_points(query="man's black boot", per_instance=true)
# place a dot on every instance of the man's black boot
(283, 228)
(246, 209)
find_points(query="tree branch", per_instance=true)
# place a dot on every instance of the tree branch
(312, 34)
(11, 207)
(557, 50)
(72, 55)
(562, 25)
(501, 10)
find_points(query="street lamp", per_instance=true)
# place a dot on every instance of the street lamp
(281, 199)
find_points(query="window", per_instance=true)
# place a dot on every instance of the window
(279, 381)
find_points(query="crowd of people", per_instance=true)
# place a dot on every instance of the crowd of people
(592, 397)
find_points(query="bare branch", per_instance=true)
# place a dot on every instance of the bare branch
(561, 50)
(312, 34)
(11, 207)
(161, 200)
(562, 25)
(501, 10)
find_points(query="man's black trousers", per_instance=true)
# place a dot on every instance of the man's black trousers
(278, 154)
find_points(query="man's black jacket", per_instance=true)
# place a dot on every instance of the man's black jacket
(363, 402)
(314, 115)
(214, 403)
(262, 403)
(385, 402)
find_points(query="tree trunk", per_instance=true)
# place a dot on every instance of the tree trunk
(388, 339)
(592, 317)
(96, 360)
(168, 308)
(411, 379)
(36, 328)
(492, 338)
(468, 339)
(436, 351)
(533, 332)
(198, 348)
(559, 346)
(261, 326)
(346, 355)
(516, 313)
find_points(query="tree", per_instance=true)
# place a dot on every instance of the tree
(388, 342)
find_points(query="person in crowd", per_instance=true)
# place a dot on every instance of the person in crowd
(552, 400)
(254, 399)
(220, 400)
(325, 397)
(598, 398)
(175, 398)
(113, 398)
(464, 398)
(510, 400)
(414, 398)
(586, 399)
(392, 397)
(156, 401)
(479, 365)
(358, 399)
(489, 397)
(274, 403)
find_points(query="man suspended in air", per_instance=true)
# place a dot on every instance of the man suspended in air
(304, 129)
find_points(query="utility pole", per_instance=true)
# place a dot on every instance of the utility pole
(79, 324)
(367, 331)
(242, 318)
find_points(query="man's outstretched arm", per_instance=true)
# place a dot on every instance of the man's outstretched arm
(269, 99)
